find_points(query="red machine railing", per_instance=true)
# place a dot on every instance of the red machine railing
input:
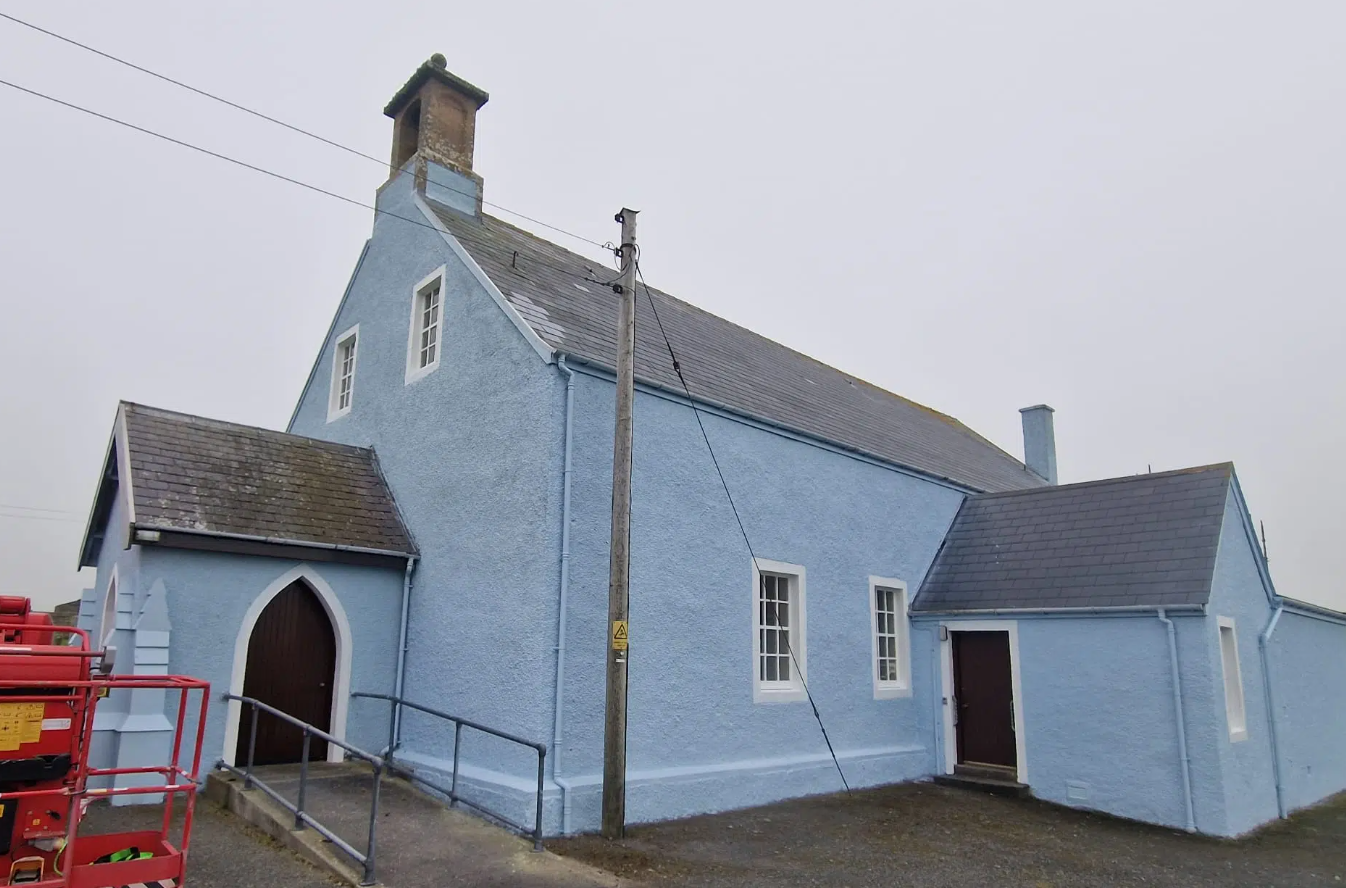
(61, 681)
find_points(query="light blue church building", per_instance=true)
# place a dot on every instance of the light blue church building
(435, 520)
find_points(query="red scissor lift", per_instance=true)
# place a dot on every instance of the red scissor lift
(48, 694)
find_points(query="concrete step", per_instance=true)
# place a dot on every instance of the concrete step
(421, 842)
(986, 772)
(995, 786)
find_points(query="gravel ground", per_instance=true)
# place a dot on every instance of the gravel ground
(225, 851)
(923, 835)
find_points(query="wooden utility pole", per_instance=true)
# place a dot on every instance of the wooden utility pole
(619, 576)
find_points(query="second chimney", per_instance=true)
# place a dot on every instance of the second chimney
(1040, 441)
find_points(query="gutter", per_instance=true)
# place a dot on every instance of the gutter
(276, 541)
(1184, 758)
(558, 717)
(400, 681)
(1131, 609)
(1267, 686)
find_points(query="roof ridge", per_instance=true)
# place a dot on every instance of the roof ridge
(1120, 479)
(949, 419)
(224, 424)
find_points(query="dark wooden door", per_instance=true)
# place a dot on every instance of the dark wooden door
(291, 666)
(984, 693)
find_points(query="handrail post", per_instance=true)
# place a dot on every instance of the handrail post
(392, 726)
(252, 749)
(537, 821)
(457, 744)
(303, 783)
(373, 826)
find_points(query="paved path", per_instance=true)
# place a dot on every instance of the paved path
(421, 843)
(926, 836)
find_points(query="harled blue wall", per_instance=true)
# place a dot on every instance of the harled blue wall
(697, 741)
(472, 452)
(1307, 658)
(1248, 780)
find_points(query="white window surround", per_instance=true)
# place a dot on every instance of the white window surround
(949, 739)
(899, 685)
(1234, 708)
(341, 373)
(794, 689)
(433, 282)
(109, 623)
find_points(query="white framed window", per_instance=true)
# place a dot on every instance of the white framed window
(427, 326)
(343, 374)
(1233, 680)
(890, 644)
(780, 638)
(109, 623)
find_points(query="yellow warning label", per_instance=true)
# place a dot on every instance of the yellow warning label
(19, 723)
(619, 635)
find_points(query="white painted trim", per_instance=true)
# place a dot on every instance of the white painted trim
(795, 691)
(341, 683)
(889, 690)
(946, 678)
(108, 623)
(543, 350)
(415, 372)
(1237, 733)
(124, 469)
(333, 411)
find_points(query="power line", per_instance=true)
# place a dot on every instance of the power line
(289, 126)
(21, 517)
(35, 509)
(677, 368)
(248, 166)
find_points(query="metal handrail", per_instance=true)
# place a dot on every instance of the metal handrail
(452, 790)
(301, 817)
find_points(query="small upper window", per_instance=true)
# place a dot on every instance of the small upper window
(343, 374)
(888, 628)
(1233, 680)
(779, 663)
(426, 326)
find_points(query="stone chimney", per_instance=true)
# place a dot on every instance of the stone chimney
(434, 125)
(1040, 441)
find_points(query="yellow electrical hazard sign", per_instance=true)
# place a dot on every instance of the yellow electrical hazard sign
(619, 635)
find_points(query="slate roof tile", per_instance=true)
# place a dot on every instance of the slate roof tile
(725, 363)
(1143, 540)
(189, 472)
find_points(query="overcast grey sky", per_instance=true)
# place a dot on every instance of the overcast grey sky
(1132, 211)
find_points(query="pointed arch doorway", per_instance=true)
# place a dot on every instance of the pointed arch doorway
(291, 665)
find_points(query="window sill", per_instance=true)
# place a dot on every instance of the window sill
(334, 415)
(1238, 736)
(420, 373)
(891, 692)
(778, 695)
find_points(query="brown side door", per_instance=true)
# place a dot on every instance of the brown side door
(291, 666)
(984, 693)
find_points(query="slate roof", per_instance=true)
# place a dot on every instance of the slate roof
(1144, 540)
(724, 363)
(203, 474)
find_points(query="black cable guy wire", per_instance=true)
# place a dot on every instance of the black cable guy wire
(677, 368)
(258, 114)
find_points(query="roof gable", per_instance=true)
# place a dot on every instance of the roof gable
(725, 364)
(202, 476)
(1140, 541)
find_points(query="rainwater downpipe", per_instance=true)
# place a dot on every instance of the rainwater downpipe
(1263, 641)
(559, 707)
(1183, 757)
(400, 680)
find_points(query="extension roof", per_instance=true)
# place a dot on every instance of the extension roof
(1141, 541)
(218, 479)
(725, 364)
